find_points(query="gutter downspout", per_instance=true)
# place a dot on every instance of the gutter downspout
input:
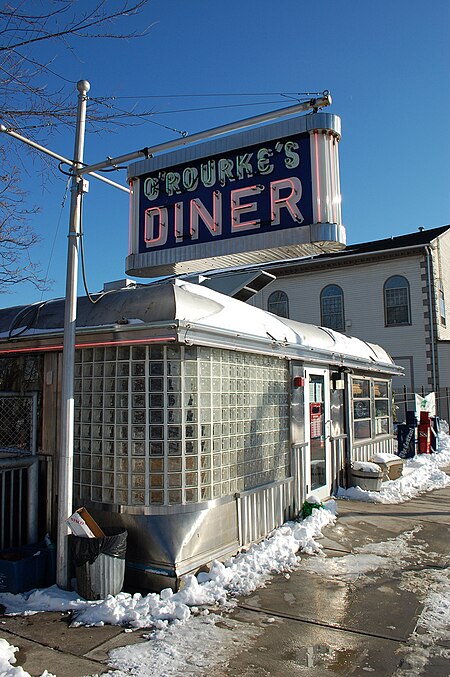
(430, 297)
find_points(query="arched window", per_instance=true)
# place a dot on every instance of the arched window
(332, 307)
(278, 304)
(397, 306)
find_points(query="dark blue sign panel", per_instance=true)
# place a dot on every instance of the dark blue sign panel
(257, 189)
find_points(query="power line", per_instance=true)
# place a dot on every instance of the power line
(211, 94)
(146, 115)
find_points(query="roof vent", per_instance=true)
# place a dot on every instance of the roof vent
(240, 285)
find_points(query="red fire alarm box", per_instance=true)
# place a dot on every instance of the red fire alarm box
(299, 381)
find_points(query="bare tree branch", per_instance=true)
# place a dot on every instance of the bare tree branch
(34, 99)
(97, 17)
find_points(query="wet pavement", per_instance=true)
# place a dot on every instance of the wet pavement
(347, 613)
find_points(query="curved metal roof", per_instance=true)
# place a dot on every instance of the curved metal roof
(189, 305)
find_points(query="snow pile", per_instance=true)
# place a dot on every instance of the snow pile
(385, 458)
(313, 500)
(421, 473)
(240, 575)
(366, 466)
(430, 638)
(384, 556)
(194, 648)
(7, 659)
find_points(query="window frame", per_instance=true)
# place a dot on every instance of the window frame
(370, 398)
(387, 288)
(284, 298)
(340, 295)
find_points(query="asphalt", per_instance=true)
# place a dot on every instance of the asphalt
(303, 624)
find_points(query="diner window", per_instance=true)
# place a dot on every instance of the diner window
(362, 423)
(381, 400)
(332, 307)
(278, 304)
(371, 410)
(397, 310)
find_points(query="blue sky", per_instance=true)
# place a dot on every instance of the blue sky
(386, 64)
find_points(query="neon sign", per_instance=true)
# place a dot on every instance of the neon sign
(192, 209)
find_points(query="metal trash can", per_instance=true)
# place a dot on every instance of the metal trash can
(99, 563)
(366, 475)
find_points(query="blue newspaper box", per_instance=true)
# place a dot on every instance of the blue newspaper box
(406, 438)
(25, 568)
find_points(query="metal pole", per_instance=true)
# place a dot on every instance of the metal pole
(57, 156)
(65, 488)
(323, 101)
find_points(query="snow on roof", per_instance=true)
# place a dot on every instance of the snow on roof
(180, 301)
(232, 315)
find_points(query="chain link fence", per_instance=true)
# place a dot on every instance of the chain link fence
(405, 401)
(17, 422)
(18, 469)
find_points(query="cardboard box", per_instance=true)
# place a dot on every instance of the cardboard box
(81, 523)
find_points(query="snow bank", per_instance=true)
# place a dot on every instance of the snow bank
(430, 637)
(240, 575)
(385, 458)
(421, 473)
(7, 659)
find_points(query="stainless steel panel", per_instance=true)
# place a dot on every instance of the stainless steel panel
(338, 466)
(179, 541)
(262, 510)
(297, 405)
(296, 125)
(243, 250)
(337, 412)
(299, 466)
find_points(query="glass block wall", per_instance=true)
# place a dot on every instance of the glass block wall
(171, 424)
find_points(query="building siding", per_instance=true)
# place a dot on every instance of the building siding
(441, 269)
(362, 285)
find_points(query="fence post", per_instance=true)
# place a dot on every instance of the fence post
(33, 501)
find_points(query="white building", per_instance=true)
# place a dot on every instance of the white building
(394, 292)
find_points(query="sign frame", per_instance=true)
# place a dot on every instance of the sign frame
(294, 161)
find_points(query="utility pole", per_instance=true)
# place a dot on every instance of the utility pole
(65, 485)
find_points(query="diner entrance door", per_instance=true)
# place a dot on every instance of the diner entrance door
(317, 416)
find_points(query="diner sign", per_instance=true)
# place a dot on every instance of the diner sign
(238, 203)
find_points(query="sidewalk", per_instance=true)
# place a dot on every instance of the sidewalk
(322, 619)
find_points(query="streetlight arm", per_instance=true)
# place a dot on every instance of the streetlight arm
(57, 156)
(321, 102)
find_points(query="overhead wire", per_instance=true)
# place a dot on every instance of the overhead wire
(211, 94)
(194, 110)
(146, 115)
(125, 113)
(63, 204)
(83, 263)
